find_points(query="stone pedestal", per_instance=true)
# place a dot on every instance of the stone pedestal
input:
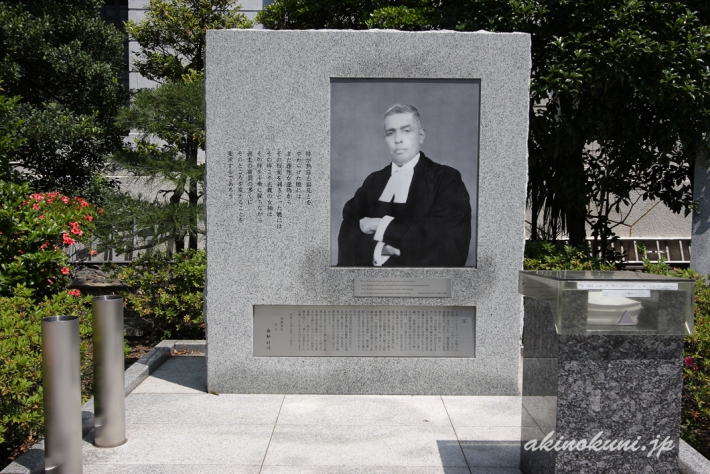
(602, 371)
(628, 387)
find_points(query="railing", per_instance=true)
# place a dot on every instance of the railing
(674, 251)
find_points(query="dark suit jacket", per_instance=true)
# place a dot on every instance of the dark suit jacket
(432, 229)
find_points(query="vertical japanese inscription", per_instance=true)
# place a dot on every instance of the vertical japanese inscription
(250, 177)
(259, 188)
(309, 169)
(269, 185)
(240, 186)
(271, 181)
(289, 177)
(230, 174)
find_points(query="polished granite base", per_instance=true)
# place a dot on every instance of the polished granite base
(628, 387)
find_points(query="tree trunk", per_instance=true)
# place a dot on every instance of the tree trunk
(575, 200)
(193, 198)
(576, 226)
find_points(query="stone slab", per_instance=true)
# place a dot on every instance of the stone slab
(318, 445)
(187, 408)
(488, 433)
(504, 454)
(199, 345)
(176, 375)
(363, 410)
(145, 366)
(269, 91)
(171, 469)
(483, 411)
(185, 444)
(367, 470)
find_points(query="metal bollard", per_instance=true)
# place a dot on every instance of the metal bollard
(109, 391)
(62, 395)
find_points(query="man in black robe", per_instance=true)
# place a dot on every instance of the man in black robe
(413, 212)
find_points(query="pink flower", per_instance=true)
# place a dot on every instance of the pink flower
(42, 216)
(68, 240)
(35, 206)
(74, 292)
(65, 271)
(89, 218)
(51, 282)
(75, 228)
(65, 200)
(688, 361)
(101, 211)
(93, 252)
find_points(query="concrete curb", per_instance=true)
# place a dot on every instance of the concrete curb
(690, 461)
(32, 461)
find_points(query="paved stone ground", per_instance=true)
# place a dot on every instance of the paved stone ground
(174, 426)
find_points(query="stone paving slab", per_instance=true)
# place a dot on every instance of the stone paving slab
(171, 469)
(238, 445)
(202, 408)
(368, 470)
(319, 445)
(177, 375)
(483, 411)
(373, 410)
(488, 433)
(491, 453)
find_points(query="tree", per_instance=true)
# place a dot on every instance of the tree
(9, 139)
(63, 61)
(170, 121)
(172, 35)
(619, 94)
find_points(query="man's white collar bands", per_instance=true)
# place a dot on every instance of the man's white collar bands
(399, 182)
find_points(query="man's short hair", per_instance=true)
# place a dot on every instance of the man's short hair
(404, 109)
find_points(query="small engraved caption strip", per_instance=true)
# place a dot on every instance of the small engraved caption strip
(403, 287)
(625, 285)
(627, 293)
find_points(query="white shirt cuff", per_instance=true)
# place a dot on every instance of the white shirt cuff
(380, 232)
(378, 259)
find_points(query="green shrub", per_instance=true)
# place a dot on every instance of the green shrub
(21, 402)
(544, 255)
(695, 424)
(168, 288)
(34, 230)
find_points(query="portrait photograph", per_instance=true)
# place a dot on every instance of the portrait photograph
(404, 172)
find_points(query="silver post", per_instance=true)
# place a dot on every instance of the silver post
(109, 392)
(62, 395)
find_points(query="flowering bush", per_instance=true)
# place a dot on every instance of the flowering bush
(695, 427)
(34, 231)
(695, 410)
(21, 405)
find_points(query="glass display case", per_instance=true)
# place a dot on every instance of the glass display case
(619, 302)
